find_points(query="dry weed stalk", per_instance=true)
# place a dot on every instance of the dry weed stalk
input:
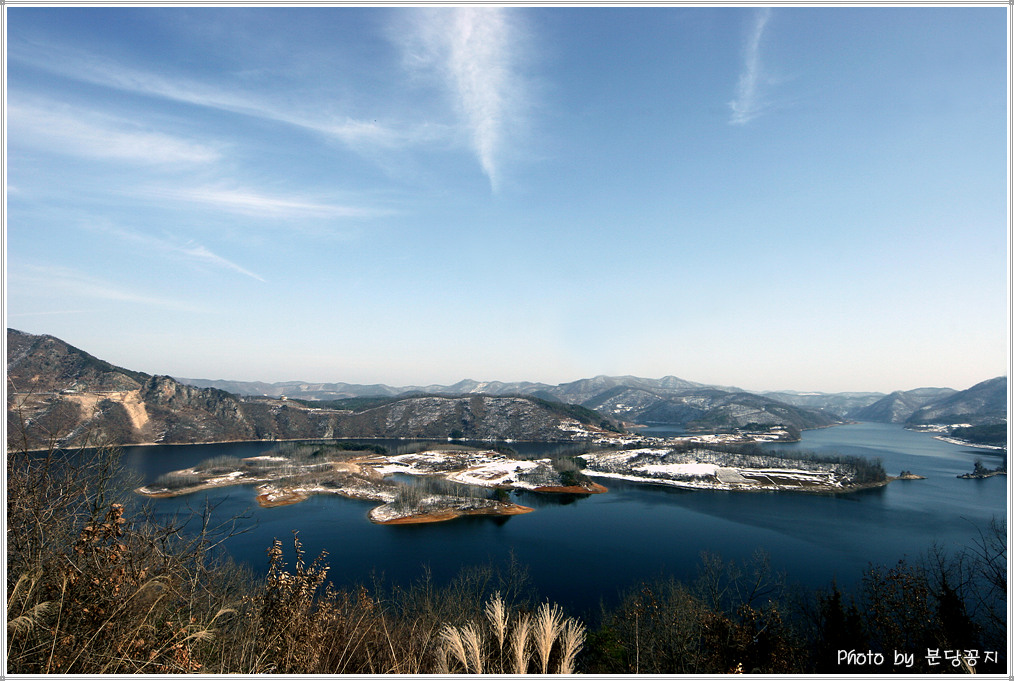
(548, 622)
(472, 637)
(465, 649)
(571, 641)
(519, 644)
(454, 646)
(24, 623)
(497, 614)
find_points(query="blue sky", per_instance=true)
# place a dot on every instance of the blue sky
(784, 198)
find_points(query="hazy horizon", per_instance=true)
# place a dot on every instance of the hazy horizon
(785, 198)
(446, 382)
(707, 383)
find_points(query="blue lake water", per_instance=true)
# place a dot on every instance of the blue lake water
(579, 550)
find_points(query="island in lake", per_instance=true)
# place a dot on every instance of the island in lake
(432, 482)
(450, 480)
(979, 471)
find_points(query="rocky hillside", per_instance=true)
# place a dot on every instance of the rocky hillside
(61, 395)
(47, 364)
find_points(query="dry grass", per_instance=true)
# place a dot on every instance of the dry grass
(534, 642)
(520, 637)
(546, 627)
(572, 637)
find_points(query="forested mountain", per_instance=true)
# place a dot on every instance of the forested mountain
(669, 400)
(900, 405)
(983, 403)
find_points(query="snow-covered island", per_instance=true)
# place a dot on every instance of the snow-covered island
(430, 482)
(696, 466)
(453, 480)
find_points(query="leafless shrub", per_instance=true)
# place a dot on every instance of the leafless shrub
(176, 480)
(220, 464)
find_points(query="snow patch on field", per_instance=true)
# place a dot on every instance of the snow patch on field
(692, 469)
(495, 473)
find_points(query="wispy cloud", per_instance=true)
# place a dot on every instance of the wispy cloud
(67, 283)
(189, 249)
(476, 51)
(358, 134)
(256, 204)
(748, 103)
(203, 254)
(58, 128)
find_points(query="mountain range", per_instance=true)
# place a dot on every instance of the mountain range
(669, 400)
(59, 392)
(675, 401)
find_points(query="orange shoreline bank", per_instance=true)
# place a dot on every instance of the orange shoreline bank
(593, 488)
(451, 514)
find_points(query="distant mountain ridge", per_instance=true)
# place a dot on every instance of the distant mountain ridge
(844, 405)
(577, 391)
(669, 400)
(67, 393)
(673, 400)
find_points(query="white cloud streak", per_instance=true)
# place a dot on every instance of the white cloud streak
(203, 254)
(748, 104)
(60, 129)
(255, 204)
(360, 135)
(475, 49)
(189, 249)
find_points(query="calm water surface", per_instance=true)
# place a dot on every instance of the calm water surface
(579, 550)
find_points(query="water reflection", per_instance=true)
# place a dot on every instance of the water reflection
(544, 499)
